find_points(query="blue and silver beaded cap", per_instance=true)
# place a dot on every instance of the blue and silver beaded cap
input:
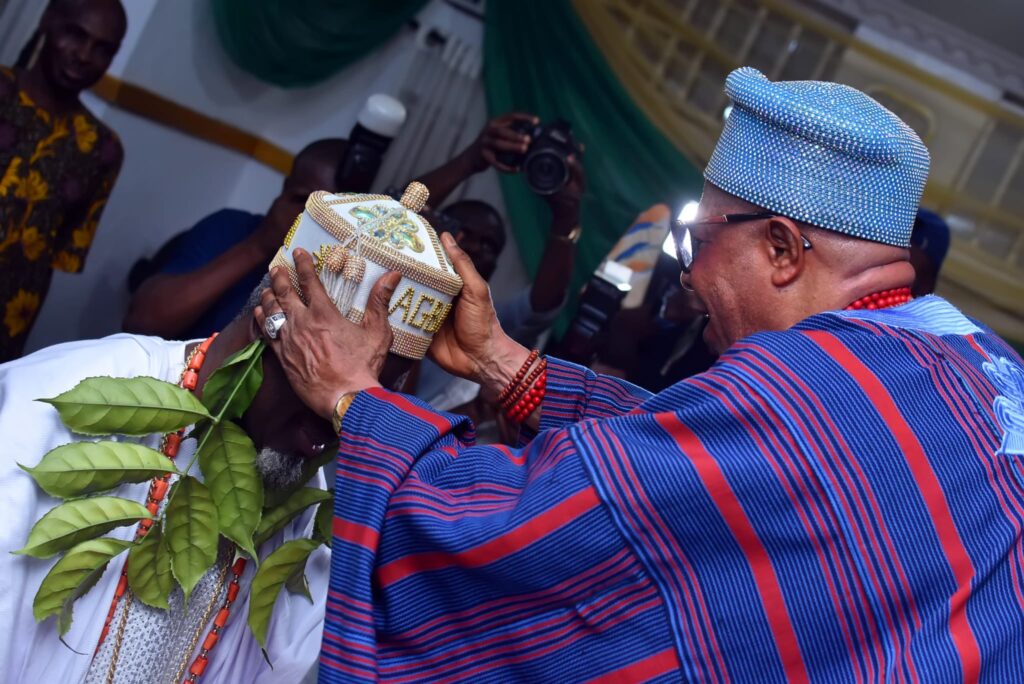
(822, 153)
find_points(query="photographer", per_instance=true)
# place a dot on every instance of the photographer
(478, 229)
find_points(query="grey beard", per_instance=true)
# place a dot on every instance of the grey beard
(279, 470)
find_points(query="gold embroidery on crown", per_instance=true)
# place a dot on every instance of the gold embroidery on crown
(391, 226)
(354, 268)
(425, 313)
(319, 207)
(291, 231)
(415, 196)
(331, 256)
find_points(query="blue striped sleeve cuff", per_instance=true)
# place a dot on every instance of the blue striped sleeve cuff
(575, 393)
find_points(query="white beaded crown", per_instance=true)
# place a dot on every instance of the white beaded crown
(355, 239)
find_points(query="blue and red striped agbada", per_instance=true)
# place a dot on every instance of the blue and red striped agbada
(839, 502)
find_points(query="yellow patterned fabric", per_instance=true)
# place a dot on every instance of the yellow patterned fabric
(57, 172)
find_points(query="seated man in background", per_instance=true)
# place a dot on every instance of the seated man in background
(198, 280)
(929, 244)
(58, 161)
(478, 229)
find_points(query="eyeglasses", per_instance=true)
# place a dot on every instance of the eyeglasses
(687, 246)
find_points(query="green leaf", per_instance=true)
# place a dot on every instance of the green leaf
(276, 497)
(149, 569)
(75, 521)
(266, 585)
(127, 406)
(64, 617)
(83, 468)
(298, 584)
(231, 388)
(324, 528)
(275, 519)
(228, 462)
(73, 572)
(190, 531)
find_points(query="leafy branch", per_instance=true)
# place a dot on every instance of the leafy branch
(181, 544)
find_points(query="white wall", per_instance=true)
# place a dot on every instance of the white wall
(170, 180)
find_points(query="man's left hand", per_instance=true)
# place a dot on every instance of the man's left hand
(324, 355)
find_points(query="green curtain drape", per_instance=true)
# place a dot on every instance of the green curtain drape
(293, 43)
(538, 57)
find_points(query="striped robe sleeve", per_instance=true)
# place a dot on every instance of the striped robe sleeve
(575, 393)
(455, 561)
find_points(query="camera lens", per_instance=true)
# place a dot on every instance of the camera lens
(546, 172)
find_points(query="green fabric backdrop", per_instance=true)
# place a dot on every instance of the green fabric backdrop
(293, 43)
(538, 57)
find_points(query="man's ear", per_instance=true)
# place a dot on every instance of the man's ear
(786, 252)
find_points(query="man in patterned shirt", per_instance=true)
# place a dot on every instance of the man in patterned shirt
(840, 498)
(58, 161)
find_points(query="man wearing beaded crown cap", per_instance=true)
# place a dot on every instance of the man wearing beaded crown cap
(840, 498)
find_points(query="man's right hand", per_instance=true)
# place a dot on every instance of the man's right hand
(471, 343)
(499, 137)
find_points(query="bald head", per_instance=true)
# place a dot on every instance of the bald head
(761, 275)
(315, 165)
(312, 169)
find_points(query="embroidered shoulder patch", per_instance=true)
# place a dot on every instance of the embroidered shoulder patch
(1008, 377)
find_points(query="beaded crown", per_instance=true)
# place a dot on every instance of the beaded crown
(355, 239)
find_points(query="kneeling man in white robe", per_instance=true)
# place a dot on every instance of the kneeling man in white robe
(147, 644)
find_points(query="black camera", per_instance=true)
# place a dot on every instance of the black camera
(599, 303)
(545, 165)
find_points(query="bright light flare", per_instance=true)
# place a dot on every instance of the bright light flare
(686, 214)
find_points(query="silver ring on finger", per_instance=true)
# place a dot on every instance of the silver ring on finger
(274, 323)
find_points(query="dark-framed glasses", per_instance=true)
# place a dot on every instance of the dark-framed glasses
(687, 245)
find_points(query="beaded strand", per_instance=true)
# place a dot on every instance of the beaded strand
(510, 387)
(199, 664)
(882, 300)
(170, 446)
(525, 392)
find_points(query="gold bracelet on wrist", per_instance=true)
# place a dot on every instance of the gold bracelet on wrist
(341, 408)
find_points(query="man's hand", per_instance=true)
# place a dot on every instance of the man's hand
(324, 355)
(565, 204)
(496, 138)
(471, 343)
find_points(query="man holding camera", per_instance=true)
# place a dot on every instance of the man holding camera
(507, 144)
